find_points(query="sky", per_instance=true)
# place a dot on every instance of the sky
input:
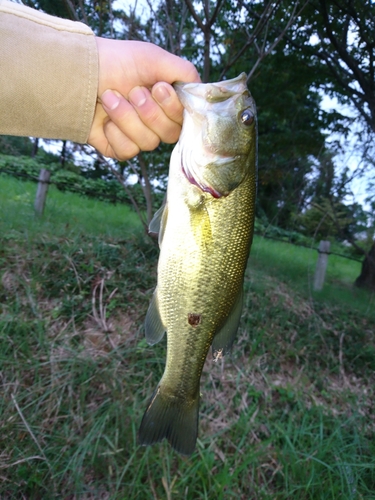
(350, 156)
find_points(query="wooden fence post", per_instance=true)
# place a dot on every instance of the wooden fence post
(41, 192)
(321, 264)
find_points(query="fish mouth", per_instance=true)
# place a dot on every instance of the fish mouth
(211, 93)
(206, 157)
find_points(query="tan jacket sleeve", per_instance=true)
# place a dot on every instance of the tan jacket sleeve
(48, 75)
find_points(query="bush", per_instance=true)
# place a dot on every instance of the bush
(27, 168)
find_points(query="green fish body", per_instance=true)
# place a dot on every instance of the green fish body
(205, 233)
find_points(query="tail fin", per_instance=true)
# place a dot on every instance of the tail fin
(171, 419)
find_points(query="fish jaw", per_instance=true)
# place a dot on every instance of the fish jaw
(214, 144)
(209, 92)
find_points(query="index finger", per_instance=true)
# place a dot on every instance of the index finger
(166, 97)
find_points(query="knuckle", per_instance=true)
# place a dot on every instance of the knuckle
(152, 143)
(151, 115)
(193, 71)
(129, 151)
(121, 146)
(171, 134)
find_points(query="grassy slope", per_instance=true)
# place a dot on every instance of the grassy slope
(289, 415)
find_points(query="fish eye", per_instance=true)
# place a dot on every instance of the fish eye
(247, 117)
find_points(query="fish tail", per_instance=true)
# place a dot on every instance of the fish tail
(169, 418)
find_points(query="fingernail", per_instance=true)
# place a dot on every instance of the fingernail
(137, 96)
(110, 99)
(161, 94)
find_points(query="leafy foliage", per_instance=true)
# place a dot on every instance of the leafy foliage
(13, 145)
(66, 180)
(343, 40)
(237, 36)
(290, 124)
(332, 219)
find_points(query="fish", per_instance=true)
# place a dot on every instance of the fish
(205, 232)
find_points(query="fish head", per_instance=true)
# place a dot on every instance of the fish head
(218, 139)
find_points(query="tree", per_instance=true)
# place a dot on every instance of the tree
(290, 136)
(98, 14)
(345, 33)
(339, 40)
(367, 277)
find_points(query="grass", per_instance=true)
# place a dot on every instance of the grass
(289, 415)
(66, 213)
(296, 266)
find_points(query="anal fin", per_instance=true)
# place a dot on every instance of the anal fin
(224, 338)
(154, 328)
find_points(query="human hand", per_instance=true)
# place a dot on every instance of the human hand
(137, 106)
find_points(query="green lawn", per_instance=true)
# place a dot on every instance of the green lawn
(65, 213)
(295, 265)
(289, 415)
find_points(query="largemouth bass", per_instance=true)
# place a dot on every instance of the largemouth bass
(205, 233)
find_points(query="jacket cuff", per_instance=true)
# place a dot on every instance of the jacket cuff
(49, 75)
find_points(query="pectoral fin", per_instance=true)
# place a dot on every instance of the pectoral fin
(154, 327)
(201, 225)
(159, 222)
(224, 338)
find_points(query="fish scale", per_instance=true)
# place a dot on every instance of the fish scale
(205, 236)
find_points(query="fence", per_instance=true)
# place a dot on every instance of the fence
(41, 193)
(323, 249)
(105, 190)
(322, 262)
